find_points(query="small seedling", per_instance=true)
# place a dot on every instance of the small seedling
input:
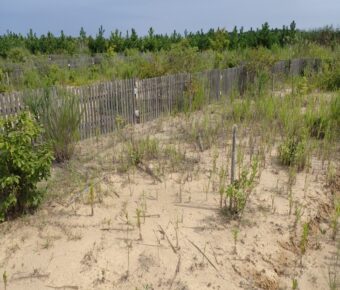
(180, 192)
(138, 214)
(235, 232)
(144, 206)
(240, 158)
(127, 224)
(273, 204)
(305, 187)
(129, 246)
(304, 238)
(5, 279)
(291, 176)
(295, 284)
(206, 188)
(222, 185)
(298, 214)
(290, 199)
(130, 187)
(176, 232)
(91, 198)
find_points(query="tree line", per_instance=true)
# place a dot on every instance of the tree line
(214, 39)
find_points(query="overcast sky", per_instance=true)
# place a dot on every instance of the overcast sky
(164, 16)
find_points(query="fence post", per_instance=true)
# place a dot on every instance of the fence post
(136, 110)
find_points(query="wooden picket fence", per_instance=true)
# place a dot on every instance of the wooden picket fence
(105, 105)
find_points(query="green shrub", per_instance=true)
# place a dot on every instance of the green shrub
(238, 192)
(24, 161)
(60, 115)
(292, 152)
(32, 79)
(18, 54)
(330, 78)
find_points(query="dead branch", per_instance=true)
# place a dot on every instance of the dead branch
(176, 271)
(164, 233)
(211, 263)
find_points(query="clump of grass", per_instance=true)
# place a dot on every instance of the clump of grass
(60, 116)
(142, 149)
(137, 151)
(202, 132)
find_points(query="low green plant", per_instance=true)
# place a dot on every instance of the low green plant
(295, 284)
(238, 192)
(304, 238)
(235, 232)
(5, 279)
(293, 151)
(24, 161)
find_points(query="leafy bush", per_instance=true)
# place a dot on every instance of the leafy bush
(60, 115)
(293, 152)
(238, 192)
(24, 161)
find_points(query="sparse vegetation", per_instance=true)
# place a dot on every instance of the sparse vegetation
(173, 195)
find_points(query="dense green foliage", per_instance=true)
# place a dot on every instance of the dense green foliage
(215, 39)
(24, 161)
(33, 61)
